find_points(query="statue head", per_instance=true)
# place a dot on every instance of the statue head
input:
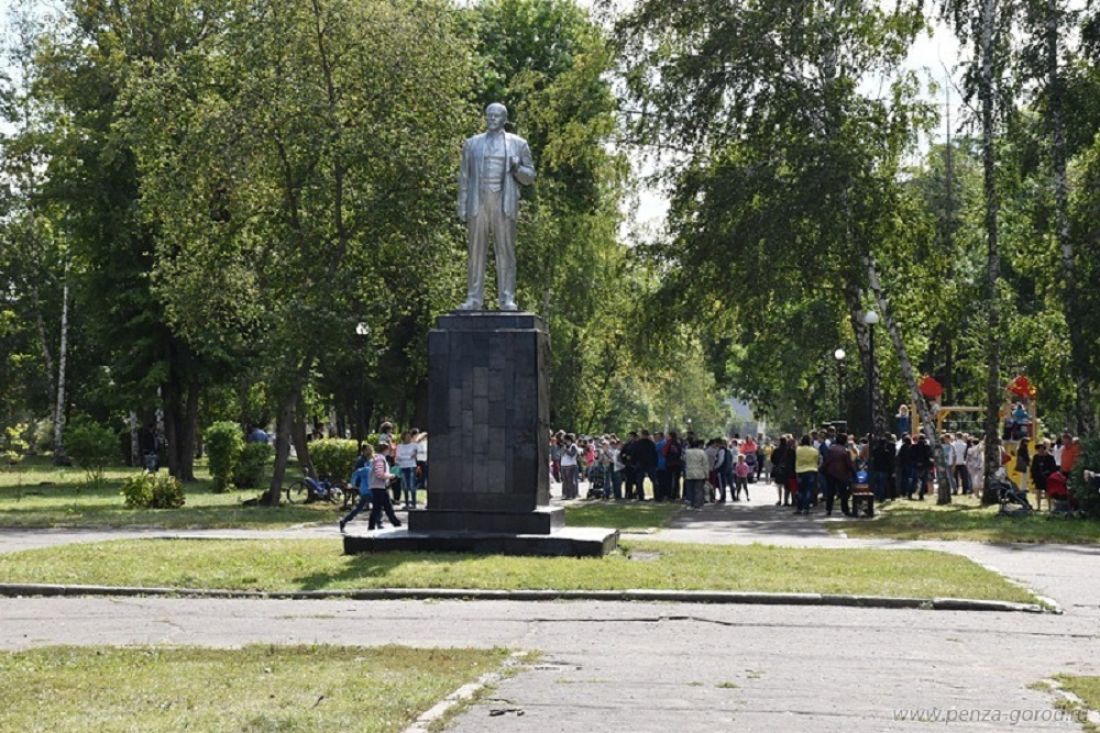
(496, 115)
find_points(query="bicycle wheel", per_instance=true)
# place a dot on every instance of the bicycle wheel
(297, 492)
(337, 492)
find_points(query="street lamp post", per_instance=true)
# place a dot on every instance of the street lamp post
(871, 318)
(839, 355)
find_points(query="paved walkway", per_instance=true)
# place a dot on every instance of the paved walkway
(662, 667)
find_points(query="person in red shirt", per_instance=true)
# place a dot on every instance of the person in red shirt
(1071, 448)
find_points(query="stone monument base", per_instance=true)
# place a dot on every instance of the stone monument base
(565, 542)
(543, 520)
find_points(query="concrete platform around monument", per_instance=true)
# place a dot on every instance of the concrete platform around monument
(565, 542)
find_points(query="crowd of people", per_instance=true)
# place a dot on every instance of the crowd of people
(817, 468)
(675, 467)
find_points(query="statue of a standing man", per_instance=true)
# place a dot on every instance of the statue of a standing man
(494, 165)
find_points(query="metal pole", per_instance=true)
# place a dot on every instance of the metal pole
(839, 389)
(871, 381)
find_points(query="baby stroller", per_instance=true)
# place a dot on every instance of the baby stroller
(863, 499)
(1008, 495)
(597, 482)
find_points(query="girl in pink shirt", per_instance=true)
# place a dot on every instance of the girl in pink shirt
(741, 473)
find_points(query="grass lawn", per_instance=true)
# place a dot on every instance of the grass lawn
(965, 519)
(257, 688)
(626, 516)
(40, 494)
(1088, 690)
(320, 565)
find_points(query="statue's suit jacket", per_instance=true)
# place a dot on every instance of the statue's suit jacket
(469, 183)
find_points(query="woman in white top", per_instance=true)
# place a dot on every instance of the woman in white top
(616, 478)
(570, 488)
(406, 464)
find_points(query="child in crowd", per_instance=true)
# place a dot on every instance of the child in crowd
(741, 477)
(360, 479)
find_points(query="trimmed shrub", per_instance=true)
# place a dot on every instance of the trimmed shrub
(223, 443)
(249, 473)
(152, 491)
(333, 458)
(92, 446)
(1088, 498)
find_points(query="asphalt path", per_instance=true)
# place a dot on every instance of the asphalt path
(668, 667)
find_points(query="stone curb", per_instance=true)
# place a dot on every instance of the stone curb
(464, 694)
(418, 594)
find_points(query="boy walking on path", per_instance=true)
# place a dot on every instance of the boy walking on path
(360, 479)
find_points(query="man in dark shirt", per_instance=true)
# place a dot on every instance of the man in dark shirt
(882, 467)
(907, 475)
(1042, 466)
(630, 464)
(922, 464)
(645, 454)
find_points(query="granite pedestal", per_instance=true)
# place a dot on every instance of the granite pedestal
(488, 433)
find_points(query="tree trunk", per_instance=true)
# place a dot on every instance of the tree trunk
(993, 256)
(1078, 341)
(44, 344)
(188, 428)
(298, 435)
(282, 449)
(135, 443)
(169, 405)
(927, 421)
(62, 358)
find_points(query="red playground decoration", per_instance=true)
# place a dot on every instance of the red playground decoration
(930, 388)
(1022, 388)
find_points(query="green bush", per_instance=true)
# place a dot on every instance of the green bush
(92, 446)
(12, 444)
(250, 468)
(333, 458)
(224, 443)
(1087, 497)
(153, 491)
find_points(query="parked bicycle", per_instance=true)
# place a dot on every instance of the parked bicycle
(308, 491)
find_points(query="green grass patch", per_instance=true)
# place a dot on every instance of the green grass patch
(965, 519)
(257, 688)
(1085, 688)
(320, 565)
(40, 494)
(626, 516)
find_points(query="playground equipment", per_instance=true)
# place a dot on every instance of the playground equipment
(1018, 419)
